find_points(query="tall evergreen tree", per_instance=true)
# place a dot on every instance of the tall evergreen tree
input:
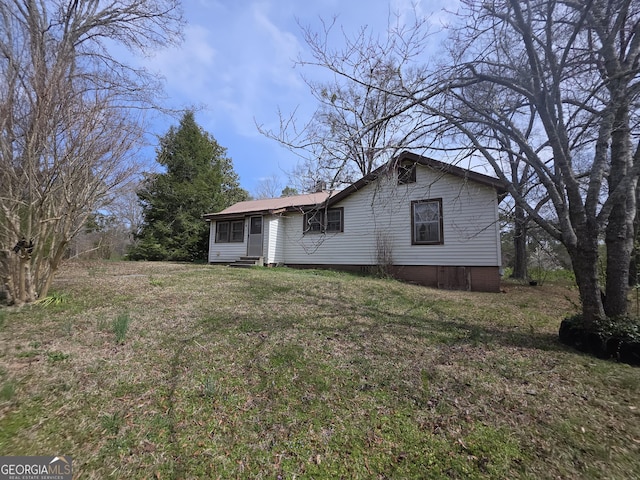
(199, 179)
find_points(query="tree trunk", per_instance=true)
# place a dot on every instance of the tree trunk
(633, 268)
(6, 279)
(619, 240)
(520, 245)
(619, 232)
(54, 263)
(584, 259)
(635, 253)
(21, 296)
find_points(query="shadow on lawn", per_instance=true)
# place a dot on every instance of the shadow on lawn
(368, 318)
(452, 330)
(177, 455)
(507, 337)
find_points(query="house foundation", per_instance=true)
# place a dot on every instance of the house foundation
(446, 277)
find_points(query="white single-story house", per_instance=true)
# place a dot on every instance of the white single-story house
(420, 220)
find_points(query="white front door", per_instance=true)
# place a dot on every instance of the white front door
(254, 246)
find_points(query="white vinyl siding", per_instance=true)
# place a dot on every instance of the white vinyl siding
(381, 212)
(274, 243)
(225, 252)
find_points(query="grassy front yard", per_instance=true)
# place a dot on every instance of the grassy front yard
(159, 370)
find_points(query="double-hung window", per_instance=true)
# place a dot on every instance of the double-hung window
(324, 221)
(230, 232)
(313, 221)
(334, 220)
(237, 231)
(426, 222)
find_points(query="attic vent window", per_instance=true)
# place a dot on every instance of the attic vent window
(406, 173)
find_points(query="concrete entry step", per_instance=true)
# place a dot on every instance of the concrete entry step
(248, 262)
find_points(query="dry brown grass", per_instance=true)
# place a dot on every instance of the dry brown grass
(259, 373)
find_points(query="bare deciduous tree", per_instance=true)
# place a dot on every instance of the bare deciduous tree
(570, 71)
(358, 124)
(551, 85)
(268, 187)
(70, 124)
(126, 207)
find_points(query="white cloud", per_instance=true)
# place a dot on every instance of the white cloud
(237, 60)
(283, 46)
(186, 68)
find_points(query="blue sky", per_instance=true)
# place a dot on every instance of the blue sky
(236, 65)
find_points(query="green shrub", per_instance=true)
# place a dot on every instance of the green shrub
(147, 249)
(622, 327)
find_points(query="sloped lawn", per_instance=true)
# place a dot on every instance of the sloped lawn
(159, 370)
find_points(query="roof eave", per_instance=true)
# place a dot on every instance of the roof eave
(436, 165)
(229, 216)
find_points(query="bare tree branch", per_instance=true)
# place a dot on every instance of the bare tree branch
(68, 135)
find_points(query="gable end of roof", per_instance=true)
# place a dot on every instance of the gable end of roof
(436, 165)
(273, 206)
